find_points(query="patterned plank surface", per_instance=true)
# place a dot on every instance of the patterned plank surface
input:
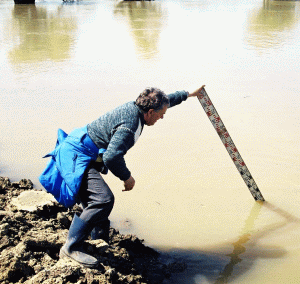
(229, 145)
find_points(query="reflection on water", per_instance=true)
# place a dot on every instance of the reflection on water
(239, 246)
(270, 25)
(145, 20)
(211, 267)
(250, 237)
(42, 34)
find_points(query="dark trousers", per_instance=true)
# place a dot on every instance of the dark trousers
(96, 198)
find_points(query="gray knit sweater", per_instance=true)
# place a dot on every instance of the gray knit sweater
(118, 130)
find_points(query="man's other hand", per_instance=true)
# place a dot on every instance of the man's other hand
(129, 184)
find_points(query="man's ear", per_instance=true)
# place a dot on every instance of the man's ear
(149, 113)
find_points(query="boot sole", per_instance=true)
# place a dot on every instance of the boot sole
(63, 254)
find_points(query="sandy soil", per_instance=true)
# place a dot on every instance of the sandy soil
(32, 233)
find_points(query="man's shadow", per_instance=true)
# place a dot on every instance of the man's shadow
(214, 267)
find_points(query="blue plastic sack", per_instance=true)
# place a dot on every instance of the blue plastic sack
(64, 172)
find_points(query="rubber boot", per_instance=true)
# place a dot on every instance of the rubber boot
(101, 231)
(78, 231)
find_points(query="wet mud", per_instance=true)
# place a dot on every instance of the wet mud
(30, 240)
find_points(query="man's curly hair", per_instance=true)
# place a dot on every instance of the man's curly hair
(152, 98)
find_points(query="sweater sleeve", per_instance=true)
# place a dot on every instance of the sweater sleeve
(113, 158)
(177, 98)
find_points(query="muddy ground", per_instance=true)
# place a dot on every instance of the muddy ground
(32, 233)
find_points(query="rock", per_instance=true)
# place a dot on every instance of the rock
(4, 182)
(100, 246)
(25, 183)
(32, 200)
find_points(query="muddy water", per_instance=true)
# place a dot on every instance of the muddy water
(63, 64)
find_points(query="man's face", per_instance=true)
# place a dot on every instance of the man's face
(152, 116)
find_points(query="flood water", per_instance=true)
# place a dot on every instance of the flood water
(64, 64)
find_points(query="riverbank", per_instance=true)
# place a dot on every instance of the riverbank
(33, 227)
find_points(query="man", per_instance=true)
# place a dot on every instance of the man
(79, 158)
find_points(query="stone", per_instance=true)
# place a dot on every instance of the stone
(31, 200)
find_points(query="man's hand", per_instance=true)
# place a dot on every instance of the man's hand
(196, 93)
(129, 184)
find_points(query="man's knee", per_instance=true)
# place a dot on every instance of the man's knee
(110, 200)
